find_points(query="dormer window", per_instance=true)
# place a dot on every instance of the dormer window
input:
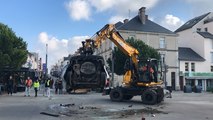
(206, 29)
(198, 29)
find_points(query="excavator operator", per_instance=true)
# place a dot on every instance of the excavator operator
(146, 72)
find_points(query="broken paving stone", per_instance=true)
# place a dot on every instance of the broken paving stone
(50, 114)
(67, 105)
(81, 107)
(130, 105)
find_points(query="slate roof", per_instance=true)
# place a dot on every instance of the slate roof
(135, 25)
(206, 35)
(187, 54)
(118, 24)
(191, 23)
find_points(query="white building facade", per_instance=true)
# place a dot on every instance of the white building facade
(197, 34)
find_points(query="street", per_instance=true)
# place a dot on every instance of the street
(94, 106)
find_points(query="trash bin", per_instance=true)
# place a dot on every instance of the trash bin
(0, 89)
(187, 89)
(197, 89)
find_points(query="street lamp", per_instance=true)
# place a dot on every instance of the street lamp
(46, 70)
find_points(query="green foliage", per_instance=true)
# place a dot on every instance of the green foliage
(13, 50)
(145, 52)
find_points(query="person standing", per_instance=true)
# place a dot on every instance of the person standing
(60, 86)
(10, 86)
(28, 83)
(36, 85)
(47, 87)
(56, 86)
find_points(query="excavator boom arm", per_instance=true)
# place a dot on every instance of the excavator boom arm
(109, 32)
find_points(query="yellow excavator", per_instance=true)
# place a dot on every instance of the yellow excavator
(142, 77)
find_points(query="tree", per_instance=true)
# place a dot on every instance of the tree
(145, 52)
(13, 50)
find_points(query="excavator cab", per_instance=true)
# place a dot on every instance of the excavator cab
(149, 70)
(88, 47)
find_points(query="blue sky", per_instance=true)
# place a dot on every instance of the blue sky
(63, 24)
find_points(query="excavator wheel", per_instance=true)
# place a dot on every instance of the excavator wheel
(160, 98)
(149, 97)
(160, 94)
(128, 97)
(116, 95)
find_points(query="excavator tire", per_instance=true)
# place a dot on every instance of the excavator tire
(160, 98)
(116, 95)
(160, 94)
(149, 97)
(128, 97)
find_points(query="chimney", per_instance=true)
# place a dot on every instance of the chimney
(146, 17)
(126, 21)
(141, 14)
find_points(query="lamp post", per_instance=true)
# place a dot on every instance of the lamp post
(46, 70)
(113, 70)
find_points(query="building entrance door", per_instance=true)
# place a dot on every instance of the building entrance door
(173, 80)
(181, 82)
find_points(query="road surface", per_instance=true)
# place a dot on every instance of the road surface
(94, 106)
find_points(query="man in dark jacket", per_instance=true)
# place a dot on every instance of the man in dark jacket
(60, 86)
(10, 85)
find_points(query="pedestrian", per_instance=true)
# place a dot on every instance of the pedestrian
(51, 83)
(47, 87)
(28, 84)
(36, 86)
(56, 86)
(10, 86)
(60, 86)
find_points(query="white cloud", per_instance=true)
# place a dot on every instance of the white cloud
(125, 9)
(75, 42)
(195, 1)
(171, 22)
(115, 19)
(79, 9)
(122, 6)
(43, 37)
(57, 49)
(102, 5)
(200, 6)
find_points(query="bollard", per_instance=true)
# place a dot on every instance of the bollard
(142, 117)
(0, 89)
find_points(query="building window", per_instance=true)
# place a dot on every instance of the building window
(187, 67)
(162, 42)
(192, 67)
(212, 44)
(199, 82)
(188, 82)
(198, 29)
(206, 29)
(132, 37)
(211, 68)
(162, 58)
(211, 57)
